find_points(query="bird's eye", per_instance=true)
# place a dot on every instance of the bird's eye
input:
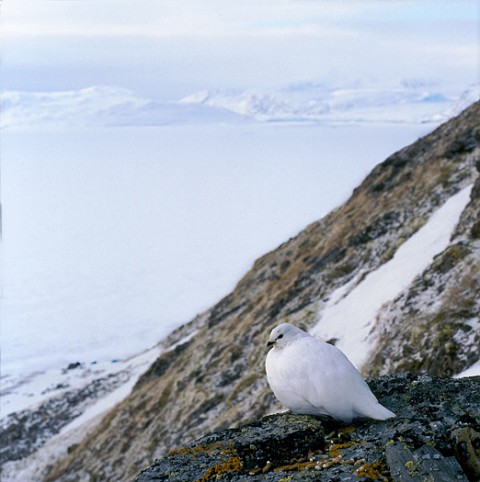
(280, 336)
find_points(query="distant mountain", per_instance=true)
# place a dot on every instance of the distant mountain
(409, 101)
(414, 101)
(101, 105)
(211, 372)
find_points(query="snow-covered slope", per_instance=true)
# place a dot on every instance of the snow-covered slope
(45, 414)
(468, 97)
(351, 312)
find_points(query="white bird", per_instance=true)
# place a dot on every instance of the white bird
(312, 377)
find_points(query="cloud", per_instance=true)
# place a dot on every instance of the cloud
(166, 50)
(217, 18)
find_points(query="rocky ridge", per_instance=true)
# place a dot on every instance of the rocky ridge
(435, 437)
(213, 376)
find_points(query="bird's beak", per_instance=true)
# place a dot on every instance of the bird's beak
(270, 343)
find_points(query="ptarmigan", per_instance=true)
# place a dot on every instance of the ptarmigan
(313, 377)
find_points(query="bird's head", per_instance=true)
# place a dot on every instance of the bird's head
(284, 334)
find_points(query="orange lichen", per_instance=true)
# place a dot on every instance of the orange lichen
(232, 464)
(298, 467)
(196, 449)
(335, 449)
(375, 471)
(188, 451)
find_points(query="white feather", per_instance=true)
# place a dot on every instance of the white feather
(313, 377)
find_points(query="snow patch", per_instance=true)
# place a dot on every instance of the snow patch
(473, 371)
(349, 318)
(35, 466)
(22, 393)
(136, 366)
(469, 97)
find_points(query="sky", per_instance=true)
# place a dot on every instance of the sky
(127, 210)
(165, 50)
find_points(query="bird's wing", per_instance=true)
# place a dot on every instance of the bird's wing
(334, 384)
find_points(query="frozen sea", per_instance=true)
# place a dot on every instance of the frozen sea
(113, 236)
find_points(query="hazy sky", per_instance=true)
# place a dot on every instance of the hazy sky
(166, 49)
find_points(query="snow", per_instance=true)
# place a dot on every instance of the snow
(468, 97)
(21, 393)
(472, 371)
(320, 102)
(350, 313)
(358, 101)
(136, 366)
(34, 391)
(168, 229)
(34, 468)
(31, 392)
(101, 105)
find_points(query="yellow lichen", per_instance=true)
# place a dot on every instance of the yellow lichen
(412, 467)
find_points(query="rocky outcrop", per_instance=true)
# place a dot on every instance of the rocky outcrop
(435, 437)
(211, 373)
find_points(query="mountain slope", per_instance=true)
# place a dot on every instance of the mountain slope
(213, 376)
(434, 325)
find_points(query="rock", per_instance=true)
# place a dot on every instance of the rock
(467, 450)
(271, 442)
(426, 463)
(437, 421)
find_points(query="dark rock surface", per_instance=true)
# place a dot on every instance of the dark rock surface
(435, 437)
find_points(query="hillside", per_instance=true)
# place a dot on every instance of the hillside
(211, 373)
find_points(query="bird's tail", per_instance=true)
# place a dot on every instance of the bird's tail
(379, 412)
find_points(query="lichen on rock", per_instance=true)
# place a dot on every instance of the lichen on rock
(437, 427)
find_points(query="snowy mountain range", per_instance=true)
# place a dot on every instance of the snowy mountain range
(405, 102)
(409, 101)
(392, 277)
